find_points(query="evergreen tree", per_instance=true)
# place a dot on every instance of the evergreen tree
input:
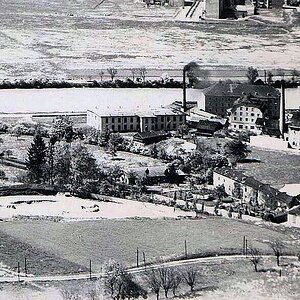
(36, 160)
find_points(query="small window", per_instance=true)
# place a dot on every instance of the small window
(125, 127)
(131, 119)
(131, 127)
(234, 118)
(252, 127)
(112, 127)
(119, 127)
(241, 119)
(125, 119)
(240, 126)
(246, 119)
(119, 120)
(146, 121)
(174, 118)
(113, 120)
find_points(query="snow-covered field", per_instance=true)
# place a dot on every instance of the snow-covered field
(72, 208)
(54, 38)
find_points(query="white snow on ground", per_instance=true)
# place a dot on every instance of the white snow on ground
(291, 189)
(72, 208)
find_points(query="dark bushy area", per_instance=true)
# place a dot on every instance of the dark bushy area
(41, 84)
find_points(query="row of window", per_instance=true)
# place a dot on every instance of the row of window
(246, 119)
(243, 126)
(247, 114)
(132, 119)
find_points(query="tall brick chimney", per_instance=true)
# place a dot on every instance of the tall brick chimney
(282, 109)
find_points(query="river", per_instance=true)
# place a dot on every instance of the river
(82, 99)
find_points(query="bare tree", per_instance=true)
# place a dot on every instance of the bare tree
(255, 257)
(269, 77)
(176, 282)
(277, 247)
(252, 74)
(190, 276)
(295, 74)
(133, 73)
(112, 72)
(68, 294)
(166, 277)
(142, 72)
(101, 75)
(153, 281)
(119, 284)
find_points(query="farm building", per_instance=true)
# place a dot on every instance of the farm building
(294, 131)
(133, 121)
(248, 189)
(293, 218)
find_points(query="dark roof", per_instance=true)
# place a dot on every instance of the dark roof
(150, 134)
(295, 210)
(250, 100)
(209, 126)
(177, 105)
(255, 184)
(222, 88)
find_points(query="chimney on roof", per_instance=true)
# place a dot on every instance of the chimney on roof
(282, 109)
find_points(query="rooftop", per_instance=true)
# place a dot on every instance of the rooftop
(222, 88)
(253, 183)
(137, 111)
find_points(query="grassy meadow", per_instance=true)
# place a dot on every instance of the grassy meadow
(72, 244)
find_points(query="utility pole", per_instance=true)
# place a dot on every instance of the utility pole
(90, 269)
(137, 257)
(246, 247)
(144, 259)
(19, 271)
(265, 75)
(185, 249)
(25, 266)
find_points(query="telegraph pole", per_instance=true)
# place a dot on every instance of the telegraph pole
(185, 249)
(90, 269)
(25, 266)
(144, 259)
(137, 257)
(19, 271)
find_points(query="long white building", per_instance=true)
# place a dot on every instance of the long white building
(125, 121)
